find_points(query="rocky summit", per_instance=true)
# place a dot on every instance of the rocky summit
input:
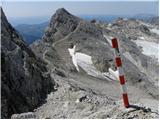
(78, 55)
(25, 80)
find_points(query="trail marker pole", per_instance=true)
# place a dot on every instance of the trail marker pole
(118, 63)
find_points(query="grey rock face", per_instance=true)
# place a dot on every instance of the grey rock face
(61, 24)
(25, 79)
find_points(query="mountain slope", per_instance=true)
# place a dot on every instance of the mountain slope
(93, 40)
(25, 79)
(89, 39)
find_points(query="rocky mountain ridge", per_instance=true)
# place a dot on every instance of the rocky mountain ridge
(25, 80)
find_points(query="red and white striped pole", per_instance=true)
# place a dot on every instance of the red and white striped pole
(118, 63)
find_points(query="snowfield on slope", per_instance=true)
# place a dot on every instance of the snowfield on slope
(85, 62)
(155, 31)
(149, 48)
(108, 38)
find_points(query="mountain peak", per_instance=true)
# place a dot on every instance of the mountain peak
(61, 24)
(62, 11)
(61, 15)
(3, 17)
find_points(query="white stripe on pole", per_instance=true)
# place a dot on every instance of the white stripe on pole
(120, 71)
(124, 89)
(116, 53)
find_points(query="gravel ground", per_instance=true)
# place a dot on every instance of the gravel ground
(81, 101)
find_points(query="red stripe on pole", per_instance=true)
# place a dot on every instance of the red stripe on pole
(122, 80)
(125, 100)
(118, 62)
(114, 43)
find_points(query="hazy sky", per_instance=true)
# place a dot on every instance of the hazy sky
(47, 8)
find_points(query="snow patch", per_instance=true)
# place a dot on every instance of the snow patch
(142, 38)
(85, 62)
(149, 48)
(113, 73)
(84, 58)
(74, 59)
(146, 24)
(108, 38)
(109, 25)
(152, 28)
(155, 31)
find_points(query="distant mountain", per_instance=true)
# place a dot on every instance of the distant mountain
(31, 32)
(102, 18)
(154, 21)
(144, 17)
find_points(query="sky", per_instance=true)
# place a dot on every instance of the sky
(17, 8)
